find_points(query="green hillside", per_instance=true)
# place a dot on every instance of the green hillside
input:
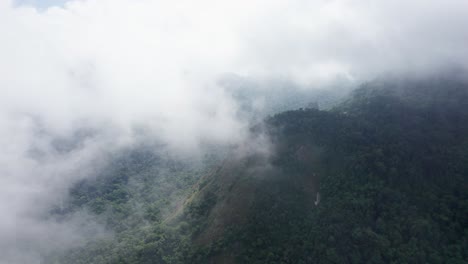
(382, 178)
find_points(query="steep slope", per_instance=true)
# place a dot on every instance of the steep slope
(392, 165)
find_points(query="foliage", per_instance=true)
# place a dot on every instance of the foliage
(390, 164)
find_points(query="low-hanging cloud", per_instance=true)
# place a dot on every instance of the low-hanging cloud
(127, 61)
(116, 66)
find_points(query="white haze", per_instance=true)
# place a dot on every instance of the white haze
(117, 65)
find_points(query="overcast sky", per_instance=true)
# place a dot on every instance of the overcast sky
(113, 65)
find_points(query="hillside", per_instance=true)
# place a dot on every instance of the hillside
(382, 178)
(391, 167)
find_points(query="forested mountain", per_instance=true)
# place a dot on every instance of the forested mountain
(381, 178)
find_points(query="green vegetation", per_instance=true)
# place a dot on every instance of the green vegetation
(390, 164)
(134, 198)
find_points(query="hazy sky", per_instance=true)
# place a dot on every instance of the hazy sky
(117, 65)
(41, 3)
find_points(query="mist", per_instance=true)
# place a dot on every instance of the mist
(115, 68)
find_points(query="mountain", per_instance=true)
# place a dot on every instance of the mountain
(256, 100)
(380, 178)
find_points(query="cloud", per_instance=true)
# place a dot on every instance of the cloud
(134, 61)
(316, 40)
(118, 65)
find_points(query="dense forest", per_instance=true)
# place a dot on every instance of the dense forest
(380, 178)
